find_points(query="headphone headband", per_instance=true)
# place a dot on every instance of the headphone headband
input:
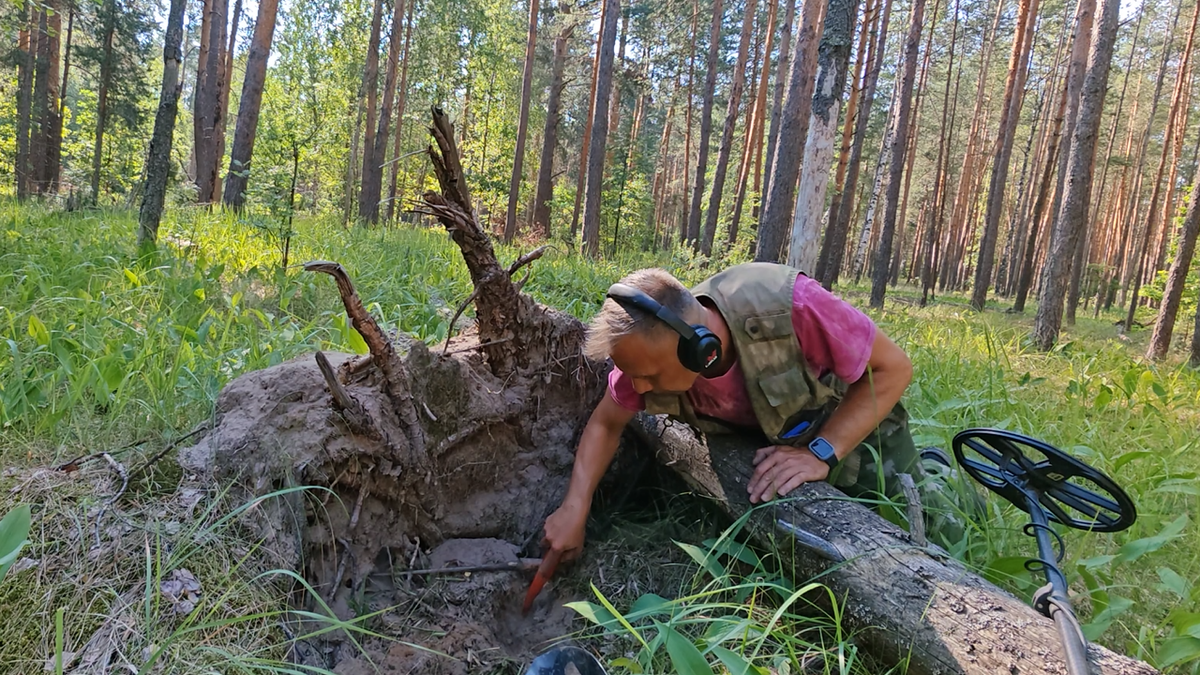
(628, 296)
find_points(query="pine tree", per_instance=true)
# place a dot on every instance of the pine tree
(159, 158)
(250, 105)
(514, 185)
(599, 139)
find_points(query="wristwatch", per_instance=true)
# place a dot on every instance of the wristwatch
(823, 449)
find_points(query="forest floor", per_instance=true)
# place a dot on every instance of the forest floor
(104, 353)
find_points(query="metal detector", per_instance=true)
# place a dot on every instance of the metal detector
(565, 660)
(1051, 486)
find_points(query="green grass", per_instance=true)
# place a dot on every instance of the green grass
(101, 350)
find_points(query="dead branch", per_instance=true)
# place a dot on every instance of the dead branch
(170, 446)
(124, 475)
(382, 353)
(522, 565)
(356, 416)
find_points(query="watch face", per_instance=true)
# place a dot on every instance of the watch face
(822, 449)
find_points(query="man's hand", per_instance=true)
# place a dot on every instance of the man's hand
(779, 469)
(564, 531)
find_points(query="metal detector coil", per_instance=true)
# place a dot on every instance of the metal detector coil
(1051, 486)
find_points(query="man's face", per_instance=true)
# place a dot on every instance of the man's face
(652, 362)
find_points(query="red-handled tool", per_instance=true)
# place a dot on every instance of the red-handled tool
(544, 572)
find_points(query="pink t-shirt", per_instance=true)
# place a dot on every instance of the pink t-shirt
(833, 336)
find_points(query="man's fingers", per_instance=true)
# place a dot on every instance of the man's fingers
(764, 453)
(794, 482)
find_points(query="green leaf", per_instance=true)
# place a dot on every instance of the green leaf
(357, 343)
(1130, 457)
(649, 604)
(1174, 583)
(1186, 623)
(1183, 486)
(1159, 391)
(1117, 605)
(735, 663)
(734, 549)
(596, 614)
(1130, 382)
(14, 533)
(1140, 547)
(1098, 561)
(628, 664)
(37, 331)
(1103, 398)
(133, 278)
(702, 558)
(686, 659)
(1178, 650)
(1007, 568)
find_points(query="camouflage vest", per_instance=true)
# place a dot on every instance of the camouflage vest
(755, 299)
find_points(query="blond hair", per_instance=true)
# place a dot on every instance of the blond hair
(615, 322)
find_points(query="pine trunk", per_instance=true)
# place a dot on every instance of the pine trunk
(158, 162)
(781, 73)
(599, 140)
(866, 44)
(207, 122)
(371, 88)
(685, 200)
(932, 219)
(250, 105)
(545, 183)
(1071, 220)
(514, 184)
(372, 187)
(1156, 190)
(109, 21)
(833, 58)
(46, 132)
(731, 116)
(833, 248)
(1009, 116)
(227, 84)
(899, 146)
(706, 106)
(793, 126)
(581, 179)
(402, 96)
(751, 154)
(1164, 326)
(26, 46)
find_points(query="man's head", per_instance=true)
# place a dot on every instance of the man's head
(640, 344)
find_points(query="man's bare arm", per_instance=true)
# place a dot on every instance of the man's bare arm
(869, 400)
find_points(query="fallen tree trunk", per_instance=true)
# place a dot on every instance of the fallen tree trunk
(906, 603)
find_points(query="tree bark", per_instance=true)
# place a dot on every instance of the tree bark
(209, 83)
(752, 156)
(250, 105)
(782, 69)
(833, 58)
(1164, 326)
(1156, 190)
(833, 248)
(1010, 114)
(793, 128)
(545, 182)
(599, 140)
(158, 161)
(706, 106)
(371, 88)
(46, 135)
(514, 184)
(26, 48)
(402, 100)
(687, 137)
(899, 146)
(581, 179)
(933, 218)
(1071, 220)
(731, 116)
(372, 187)
(1194, 360)
(108, 19)
(226, 85)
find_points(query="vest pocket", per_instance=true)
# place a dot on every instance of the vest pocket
(770, 326)
(787, 392)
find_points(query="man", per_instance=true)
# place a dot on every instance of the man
(757, 353)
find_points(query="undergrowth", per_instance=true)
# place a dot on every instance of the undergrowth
(105, 351)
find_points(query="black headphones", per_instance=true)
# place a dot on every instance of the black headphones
(699, 349)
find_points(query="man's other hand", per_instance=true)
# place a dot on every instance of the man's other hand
(779, 469)
(564, 531)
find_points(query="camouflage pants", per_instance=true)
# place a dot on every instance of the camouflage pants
(872, 473)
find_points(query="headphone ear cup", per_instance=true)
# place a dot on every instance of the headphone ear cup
(701, 352)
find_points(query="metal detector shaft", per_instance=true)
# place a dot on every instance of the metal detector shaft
(1056, 604)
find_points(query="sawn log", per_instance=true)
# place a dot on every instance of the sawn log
(904, 602)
